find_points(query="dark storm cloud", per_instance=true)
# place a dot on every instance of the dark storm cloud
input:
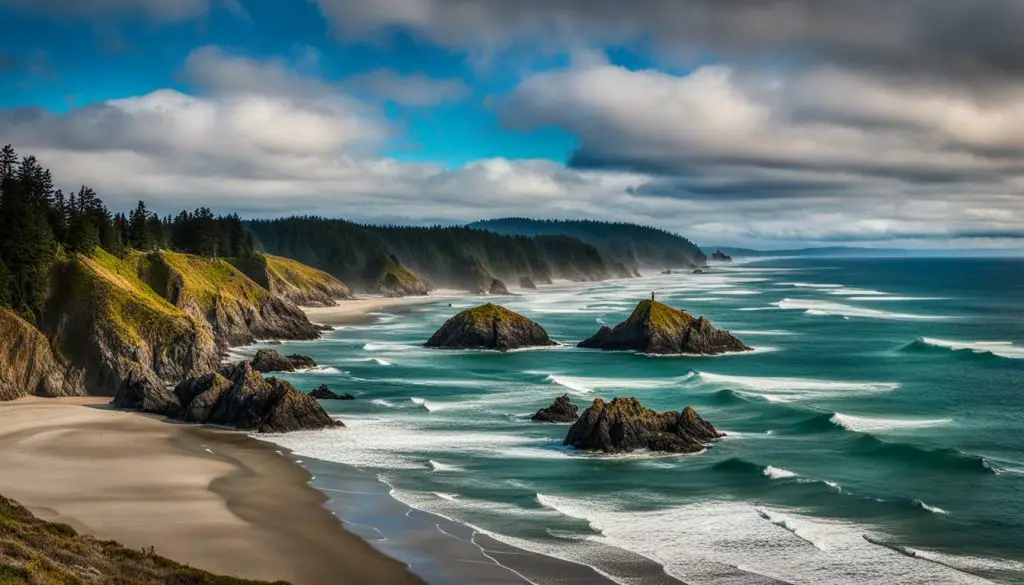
(956, 39)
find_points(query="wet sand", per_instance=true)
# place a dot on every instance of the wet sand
(347, 312)
(216, 500)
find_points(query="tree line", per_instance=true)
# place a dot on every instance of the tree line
(39, 223)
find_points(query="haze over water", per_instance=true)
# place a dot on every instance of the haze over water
(874, 437)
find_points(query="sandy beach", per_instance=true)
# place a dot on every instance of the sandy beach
(358, 310)
(217, 500)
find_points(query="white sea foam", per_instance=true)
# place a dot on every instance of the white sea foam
(382, 402)
(446, 496)
(932, 509)
(385, 346)
(1004, 349)
(378, 361)
(585, 385)
(862, 292)
(828, 308)
(778, 332)
(812, 285)
(794, 389)
(742, 543)
(321, 370)
(738, 292)
(778, 472)
(866, 424)
(428, 406)
(443, 467)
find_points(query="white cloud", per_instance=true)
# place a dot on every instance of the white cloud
(409, 90)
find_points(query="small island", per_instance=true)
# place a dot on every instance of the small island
(657, 328)
(720, 256)
(489, 326)
(562, 410)
(625, 425)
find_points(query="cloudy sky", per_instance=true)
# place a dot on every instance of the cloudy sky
(767, 123)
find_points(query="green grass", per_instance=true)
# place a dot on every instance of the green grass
(207, 281)
(34, 552)
(299, 275)
(486, 314)
(660, 316)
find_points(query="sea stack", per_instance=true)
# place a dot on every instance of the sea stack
(720, 256)
(625, 425)
(560, 411)
(657, 328)
(497, 288)
(269, 360)
(526, 282)
(489, 326)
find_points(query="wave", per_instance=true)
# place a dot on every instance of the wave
(888, 298)
(1003, 349)
(384, 346)
(762, 332)
(789, 525)
(443, 467)
(795, 389)
(446, 496)
(829, 308)
(864, 424)
(932, 509)
(862, 292)
(320, 370)
(912, 455)
(778, 473)
(585, 385)
(726, 398)
(811, 285)
(382, 402)
(378, 361)
(425, 405)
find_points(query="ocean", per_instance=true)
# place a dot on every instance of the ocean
(875, 436)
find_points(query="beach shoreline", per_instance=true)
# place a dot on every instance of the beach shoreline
(358, 311)
(217, 500)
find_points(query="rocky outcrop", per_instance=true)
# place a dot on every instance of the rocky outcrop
(720, 256)
(497, 288)
(140, 390)
(270, 360)
(238, 396)
(489, 327)
(625, 425)
(527, 283)
(293, 281)
(324, 393)
(28, 365)
(656, 328)
(699, 271)
(560, 411)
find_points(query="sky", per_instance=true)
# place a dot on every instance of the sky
(766, 124)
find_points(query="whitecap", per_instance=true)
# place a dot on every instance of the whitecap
(811, 285)
(585, 385)
(443, 467)
(1004, 349)
(793, 389)
(382, 402)
(864, 424)
(446, 496)
(828, 308)
(778, 332)
(932, 509)
(319, 370)
(778, 472)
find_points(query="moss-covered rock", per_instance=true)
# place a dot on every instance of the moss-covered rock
(293, 281)
(489, 327)
(625, 425)
(657, 328)
(28, 365)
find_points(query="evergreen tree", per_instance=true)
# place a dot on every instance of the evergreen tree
(140, 235)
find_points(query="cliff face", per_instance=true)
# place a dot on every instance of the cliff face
(657, 328)
(489, 327)
(28, 365)
(391, 279)
(293, 281)
(108, 323)
(238, 309)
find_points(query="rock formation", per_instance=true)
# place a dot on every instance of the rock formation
(656, 328)
(625, 425)
(293, 281)
(270, 360)
(489, 327)
(28, 365)
(497, 288)
(324, 393)
(560, 411)
(238, 396)
(699, 271)
(391, 279)
(526, 282)
(721, 256)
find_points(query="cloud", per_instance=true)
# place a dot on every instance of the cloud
(411, 90)
(977, 41)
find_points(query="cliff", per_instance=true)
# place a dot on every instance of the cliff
(292, 281)
(28, 365)
(489, 327)
(392, 279)
(625, 425)
(657, 328)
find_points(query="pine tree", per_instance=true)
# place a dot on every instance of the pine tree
(139, 235)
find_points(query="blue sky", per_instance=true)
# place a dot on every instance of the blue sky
(720, 121)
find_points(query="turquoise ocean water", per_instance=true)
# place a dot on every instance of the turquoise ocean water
(876, 436)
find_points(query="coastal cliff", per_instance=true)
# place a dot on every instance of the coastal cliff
(28, 365)
(293, 281)
(657, 328)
